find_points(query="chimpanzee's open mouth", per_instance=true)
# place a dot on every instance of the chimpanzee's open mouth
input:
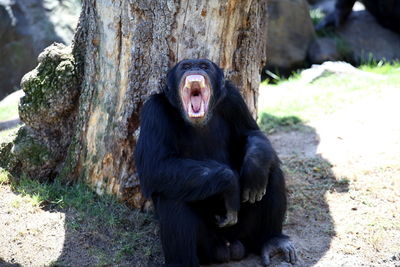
(195, 94)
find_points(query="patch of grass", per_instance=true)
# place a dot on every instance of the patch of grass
(269, 123)
(308, 180)
(316, 16)
(115, 233)
(78, 196)
(4, 177)
(343, 48)
(343, 181)
(102, 259)
(16, 203)
(271, 77)
(381, 67)
(293, 97)
(276, 77)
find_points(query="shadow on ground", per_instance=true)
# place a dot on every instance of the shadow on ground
(309, 177)
(6, 264)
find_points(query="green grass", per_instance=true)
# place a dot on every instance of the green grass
(293, 97)
(380, 67)
(316, 16)
(130, 235)
(270, 124)
(55, 195)
(4, 177)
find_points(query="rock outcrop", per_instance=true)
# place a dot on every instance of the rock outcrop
(361, 39)
(368, 40)
(290, 32)
(48, 111)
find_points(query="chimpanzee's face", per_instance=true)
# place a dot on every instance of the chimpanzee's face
(195, 85)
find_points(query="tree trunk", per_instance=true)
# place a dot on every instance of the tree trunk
(124, 48)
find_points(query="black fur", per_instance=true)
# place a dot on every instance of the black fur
(193, 173)
(387, 12)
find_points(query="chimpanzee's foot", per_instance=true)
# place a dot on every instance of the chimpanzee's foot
(237, 250)
(222, 252)
(279, 245)
(230, 219)
(230, 251)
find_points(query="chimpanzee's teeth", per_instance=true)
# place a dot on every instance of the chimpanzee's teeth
(192, 114)
(194, 78)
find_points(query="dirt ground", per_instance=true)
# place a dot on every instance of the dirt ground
(356, 221)
(343, 176)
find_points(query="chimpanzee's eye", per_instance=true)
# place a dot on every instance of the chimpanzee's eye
(204, 66)
(186, 66)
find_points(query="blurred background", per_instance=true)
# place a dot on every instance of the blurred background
(26, 28)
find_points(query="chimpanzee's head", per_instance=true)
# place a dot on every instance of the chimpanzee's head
(195, 86)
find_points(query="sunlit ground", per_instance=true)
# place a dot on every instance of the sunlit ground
(29, 234)
(355, 120)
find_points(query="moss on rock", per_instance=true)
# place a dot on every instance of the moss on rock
(48, 110)
(5, 156)
(50, 89)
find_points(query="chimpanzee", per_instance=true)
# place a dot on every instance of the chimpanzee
(214, 178)
(387, 12)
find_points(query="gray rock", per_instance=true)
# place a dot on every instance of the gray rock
(15, 50)
(48, 110)
(50, 89)
(329, 68)
(26, 28)
(368, 40)
(290, 32)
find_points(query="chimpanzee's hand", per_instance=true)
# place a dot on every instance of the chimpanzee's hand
(230, 219)
(255, 172)
(253, 194)
(254, 179)
(232, 203)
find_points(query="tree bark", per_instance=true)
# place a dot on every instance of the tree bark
(124, 48)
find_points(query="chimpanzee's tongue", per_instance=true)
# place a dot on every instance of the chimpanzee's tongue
(196, 103)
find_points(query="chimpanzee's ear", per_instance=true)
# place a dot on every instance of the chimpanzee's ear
(220, 70)
(165, 88)
(221, 74)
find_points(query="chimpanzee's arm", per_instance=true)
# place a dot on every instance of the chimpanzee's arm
(162, 172)
(345, 5)
(258, 154)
